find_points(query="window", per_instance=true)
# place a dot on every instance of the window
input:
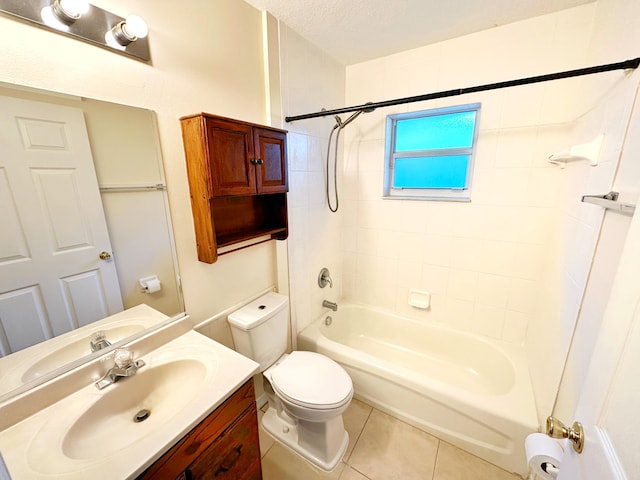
(429, 154)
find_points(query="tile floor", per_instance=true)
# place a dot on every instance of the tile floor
(381, 448)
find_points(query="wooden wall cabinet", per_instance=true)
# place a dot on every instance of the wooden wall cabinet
(238, 181)
(224, 446)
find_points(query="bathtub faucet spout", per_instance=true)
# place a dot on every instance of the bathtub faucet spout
(332, 305)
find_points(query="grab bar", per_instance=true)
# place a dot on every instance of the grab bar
(610, 201)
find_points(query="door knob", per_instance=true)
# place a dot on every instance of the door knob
(104, 255)
(557, 429)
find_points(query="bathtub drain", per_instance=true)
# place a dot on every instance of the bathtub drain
(328, 320)
(142, 415)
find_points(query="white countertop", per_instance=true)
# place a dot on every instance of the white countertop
(37, 447)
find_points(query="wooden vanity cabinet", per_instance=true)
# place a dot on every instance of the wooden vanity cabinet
(238, 180)
(224, 446)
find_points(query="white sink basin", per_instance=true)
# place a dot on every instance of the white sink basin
(92, 433)
(163, 391)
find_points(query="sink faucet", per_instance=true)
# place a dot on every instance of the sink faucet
(125, 366)
(98, 341)
(332, 305)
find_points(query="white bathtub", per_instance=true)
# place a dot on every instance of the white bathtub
(466, 390)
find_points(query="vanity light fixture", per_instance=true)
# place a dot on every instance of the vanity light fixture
(68, 11)
(62, 13)
(127, 32)
(80, 19)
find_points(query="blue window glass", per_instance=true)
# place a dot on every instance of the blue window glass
(454, 130)
(429, 154)
(431, 172)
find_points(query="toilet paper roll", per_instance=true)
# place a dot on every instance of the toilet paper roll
(544, 455)
(150, 284)
(153, 286)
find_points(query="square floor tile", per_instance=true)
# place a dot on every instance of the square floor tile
(354, 419)
(350, 474)
(389, 449)
(456, 464)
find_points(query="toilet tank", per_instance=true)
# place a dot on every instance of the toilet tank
(260, 328)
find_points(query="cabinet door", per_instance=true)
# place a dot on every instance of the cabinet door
(235, 455)
(230, 147)
(271, 160)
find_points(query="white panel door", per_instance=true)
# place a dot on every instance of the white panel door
(52, 278)
(608, 407)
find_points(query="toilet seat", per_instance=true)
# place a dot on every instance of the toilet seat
(311, 380)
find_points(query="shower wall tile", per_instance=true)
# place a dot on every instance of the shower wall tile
(463, 284)
(435, 279)
(297, 152)
(493, 290)
(515, 326)
(410, 274)
(488, 320)
(315, 236)
(482, 261)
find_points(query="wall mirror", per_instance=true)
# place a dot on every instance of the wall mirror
(112, 215)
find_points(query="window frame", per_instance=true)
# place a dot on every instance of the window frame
(446, 194)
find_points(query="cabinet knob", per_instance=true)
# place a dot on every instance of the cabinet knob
(259, 161)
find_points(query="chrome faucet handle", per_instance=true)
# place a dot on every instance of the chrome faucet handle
(123, 358)
(324, 278)
(98, 340)
(124, 366)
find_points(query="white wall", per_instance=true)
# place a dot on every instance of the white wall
(616, 34)
(310, 80)
(513, 263)
(482, 261)
(207, 56)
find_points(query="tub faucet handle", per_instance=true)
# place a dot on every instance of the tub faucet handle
(324, 278)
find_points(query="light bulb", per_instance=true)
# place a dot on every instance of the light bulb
(136, 26)
(110, 39)
(52, 20)
(126, 32)
(75, 8)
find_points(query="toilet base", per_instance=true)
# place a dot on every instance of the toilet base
(304, 439)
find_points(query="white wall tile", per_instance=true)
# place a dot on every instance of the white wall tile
(482, 261)
(435, 279)
(515, 327)
(488, 320)
(493, 290)
(463, 284)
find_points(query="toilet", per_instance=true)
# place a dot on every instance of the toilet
(307, 392)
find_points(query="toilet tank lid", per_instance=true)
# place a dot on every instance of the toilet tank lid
(258, 311)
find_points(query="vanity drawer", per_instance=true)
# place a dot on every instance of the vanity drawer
(208, 438)
(233, 456)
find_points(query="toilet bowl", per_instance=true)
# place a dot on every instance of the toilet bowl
(311, 386)
(307, 395)
(307, 392)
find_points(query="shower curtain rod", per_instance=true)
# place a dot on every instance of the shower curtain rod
(627, 64)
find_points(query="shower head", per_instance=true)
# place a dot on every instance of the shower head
(341, 124)
(351, 118)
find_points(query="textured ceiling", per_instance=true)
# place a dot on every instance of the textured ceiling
(353, 31)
